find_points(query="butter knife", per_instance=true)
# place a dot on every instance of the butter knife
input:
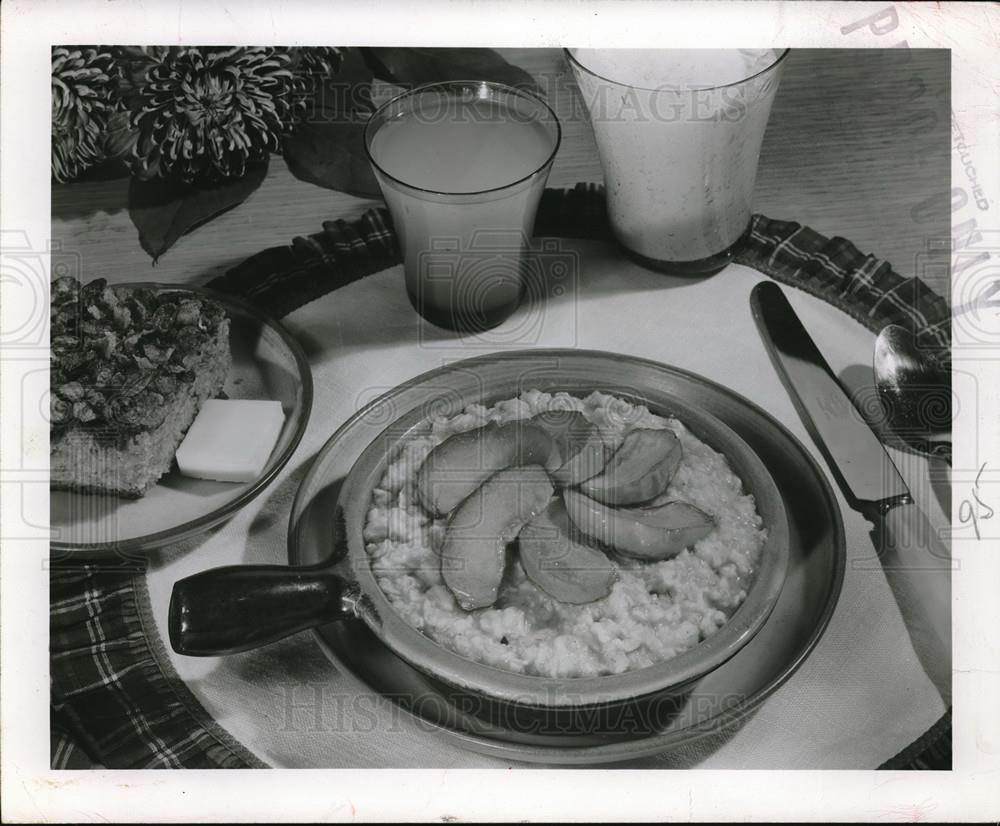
(916, 562)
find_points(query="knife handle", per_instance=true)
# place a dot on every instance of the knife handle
(918, 567)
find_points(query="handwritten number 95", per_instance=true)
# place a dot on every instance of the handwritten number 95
(975, 509)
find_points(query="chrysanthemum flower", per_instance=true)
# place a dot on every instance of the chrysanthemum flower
(314, 65)
(83, 100)
(206, 113)
(319, 60)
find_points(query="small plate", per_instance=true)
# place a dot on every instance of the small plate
(718, 700)
(267, 364)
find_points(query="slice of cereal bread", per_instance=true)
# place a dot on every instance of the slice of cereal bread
(130, 369)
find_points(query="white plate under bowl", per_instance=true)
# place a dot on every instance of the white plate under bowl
(719, 700)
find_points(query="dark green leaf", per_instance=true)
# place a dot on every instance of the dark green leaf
(163, 210)
(326, 147)
(332, 155)
(412, 66)
(110, 169)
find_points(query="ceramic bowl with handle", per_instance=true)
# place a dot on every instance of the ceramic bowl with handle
(240, 607)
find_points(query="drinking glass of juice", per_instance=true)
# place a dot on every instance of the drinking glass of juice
(679, 133)
(462, 166)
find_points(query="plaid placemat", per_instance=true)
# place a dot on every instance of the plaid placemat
(116, 702)
(116, 699)
(282, 279)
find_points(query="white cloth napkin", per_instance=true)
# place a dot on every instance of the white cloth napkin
(857, 700)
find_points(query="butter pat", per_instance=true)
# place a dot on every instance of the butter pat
(231, 440)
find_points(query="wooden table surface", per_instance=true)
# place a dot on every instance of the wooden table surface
(858, 145)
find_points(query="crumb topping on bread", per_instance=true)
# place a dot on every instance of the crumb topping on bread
(119, 354)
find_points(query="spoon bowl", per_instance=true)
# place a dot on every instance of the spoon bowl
(914, 390)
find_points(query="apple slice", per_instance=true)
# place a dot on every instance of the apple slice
(562, 567)
(462, 462)
(475, 540)
(640, 470)
(581, 448)
(644, 533)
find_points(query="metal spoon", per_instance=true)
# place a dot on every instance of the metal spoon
(914, 388)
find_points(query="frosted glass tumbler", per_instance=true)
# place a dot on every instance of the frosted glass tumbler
(679, 133)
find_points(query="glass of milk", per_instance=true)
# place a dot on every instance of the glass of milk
(679, 133)
(462, 166)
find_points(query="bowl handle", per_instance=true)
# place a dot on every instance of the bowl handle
(238, 607)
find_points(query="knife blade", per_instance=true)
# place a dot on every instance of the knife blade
(917, 563)
(851, 447)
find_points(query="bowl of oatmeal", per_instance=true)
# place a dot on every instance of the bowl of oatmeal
(645, 590)
(545, 530)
